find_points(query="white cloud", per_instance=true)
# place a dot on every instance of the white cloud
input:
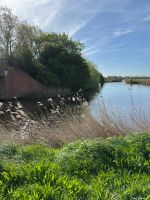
(72, 16)
(121, 32)
(92, 52)
(61, 15)
(52, 15)
(34, 11)
(19, 4)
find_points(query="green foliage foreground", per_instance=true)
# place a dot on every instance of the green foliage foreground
(104, 169)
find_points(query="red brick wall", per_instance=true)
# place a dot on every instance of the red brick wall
(19, 84)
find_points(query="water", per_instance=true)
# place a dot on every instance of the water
(118, 96)
(122, 97)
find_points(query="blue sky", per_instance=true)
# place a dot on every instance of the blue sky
(116, 33)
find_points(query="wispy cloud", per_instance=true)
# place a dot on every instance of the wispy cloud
(51, 15)
(63, 15)
(101, 24)
(91, 50)
(120, 32)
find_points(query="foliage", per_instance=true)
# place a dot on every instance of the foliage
(25, 51)
(114, 79)
(63, 65)
(54, 59)
(113, 168)
(95, 78)
(8, 23)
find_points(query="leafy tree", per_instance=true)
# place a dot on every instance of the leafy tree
(61, 41)
(54, 59)
(95, 78)
(8, 23)
(62, 57)
(26, 35)
(25, 50)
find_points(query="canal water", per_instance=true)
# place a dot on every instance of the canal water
(122, 97)
(116, 97)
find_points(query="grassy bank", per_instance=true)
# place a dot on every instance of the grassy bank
(138, 81)
(99, 169)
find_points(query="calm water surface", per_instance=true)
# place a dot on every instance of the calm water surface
(117, 96)
(123, 97)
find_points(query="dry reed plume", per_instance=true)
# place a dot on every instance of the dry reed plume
(59, 123)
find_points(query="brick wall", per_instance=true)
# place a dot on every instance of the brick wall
(19, 84)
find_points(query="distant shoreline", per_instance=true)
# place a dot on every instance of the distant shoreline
(135, 81)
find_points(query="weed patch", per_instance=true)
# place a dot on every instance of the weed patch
(99, 169)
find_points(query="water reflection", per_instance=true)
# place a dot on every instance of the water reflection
(123, 98)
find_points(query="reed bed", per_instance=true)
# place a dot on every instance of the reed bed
(67, 120)
(138, 81)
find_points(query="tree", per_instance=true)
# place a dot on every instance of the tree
(54, 59)
(95, 78)
(63, 60)
(61, 41)
(25, 51)
(26, 35)
(8, 23)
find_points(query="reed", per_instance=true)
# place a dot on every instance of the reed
(138, 81)
(61, 122)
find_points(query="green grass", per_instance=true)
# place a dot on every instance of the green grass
(99, 169)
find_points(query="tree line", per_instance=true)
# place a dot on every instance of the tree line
(54, 59)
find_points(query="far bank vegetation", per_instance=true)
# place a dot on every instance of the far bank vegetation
(142, 81)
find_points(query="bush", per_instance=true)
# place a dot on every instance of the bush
(113, 168)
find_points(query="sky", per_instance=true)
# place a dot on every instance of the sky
(116, 33)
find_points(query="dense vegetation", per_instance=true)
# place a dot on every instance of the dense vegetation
(113, 79)
(142, 81)
(100, 169)
(54, 59)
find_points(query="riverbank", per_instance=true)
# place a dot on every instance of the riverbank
(91, 169)
(113, 79)
(71, 119)
(138, 81)
(104, 161)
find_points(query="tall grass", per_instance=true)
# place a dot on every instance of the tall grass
(67, 120)
(89, 169)
(138, 81)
